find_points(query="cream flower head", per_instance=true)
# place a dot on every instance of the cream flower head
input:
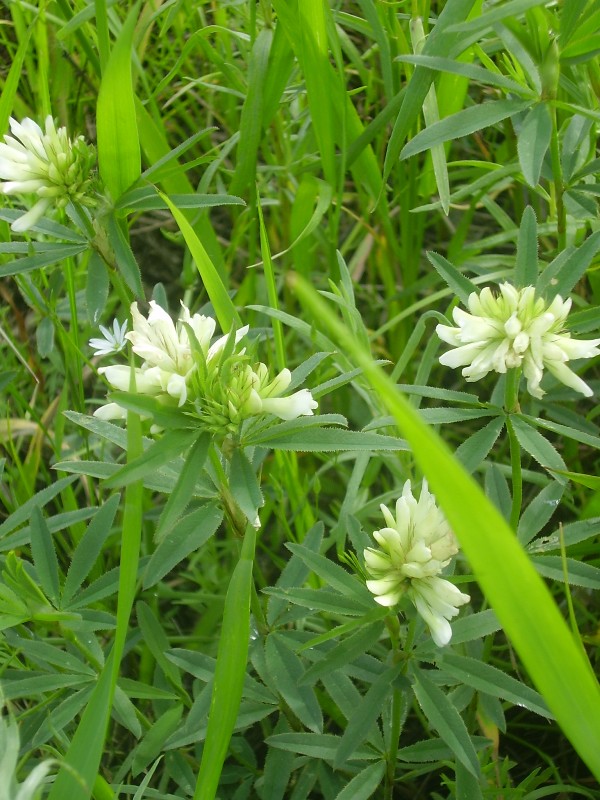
(46, 164)
(515, 329)
(414, 547)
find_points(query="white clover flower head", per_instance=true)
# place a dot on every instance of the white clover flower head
(113, 341)
(414, 547)
(46, 164)
(515, 329)
(180, 364)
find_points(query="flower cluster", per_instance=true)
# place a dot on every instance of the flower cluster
(46, 164)
(215, 382)
(515, 329)
(414, 547)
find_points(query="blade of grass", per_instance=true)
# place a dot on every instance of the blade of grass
(230, 671)
(537, 628)
(118, 140)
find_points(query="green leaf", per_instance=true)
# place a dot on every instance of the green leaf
(285, 668)
(89, 548)
(96, 288)
(463, 123)
(459, 283)
(45, 259)
(184, 488)
(344, 653)
(159, 454)
(244, 485)
(446, 720)
(119, 158)
(579, 574)
(251, 120)
(474, 449)
(526, 268)
(474, 626)
(10, 83)
(485, 21)
(157, 642)
(591, 481)
(471, 71)
(439, 43)
(539, 511)
(146, 198)
(39, 500)
(491, 680)
(229, 671)
(366, 713)
(124, 258)
(315, 745)
(533, 140)
(324, 440)
(187, 536)
(334, 576)
(536, 445)
(44, 555)
(560, 276)
(224, 308)
(364, 784)
(152, 743)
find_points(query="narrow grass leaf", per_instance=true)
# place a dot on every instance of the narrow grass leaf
(537, 446)
(537, 629)
(224, 308)
(117, 133)
(39, 500)
(230, 670)
(533, 140)
(44, 555)
(344, 653)
(365, 715)
(251, 120)
(463, 123)
(244, 485)
(125, 260)
(89, 548)
(474, 449)
(439, 43)
(459, 283)
(526, 268)
(11, 82)
(446, 720)
(184, 488)
(39, 260)
(160, 453)
(471, 71)
(491, 680)
(285, 668)
(364, 784)
(96, 288)
(191, 532)
(481, 23)
(561, 275)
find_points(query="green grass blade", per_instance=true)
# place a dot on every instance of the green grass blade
(11, 84)
(526, 268)
(118, 141)
(224, 308)
(230, 671)
(537, 629)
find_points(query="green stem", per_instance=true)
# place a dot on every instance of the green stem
(517, 478)
(561, 213)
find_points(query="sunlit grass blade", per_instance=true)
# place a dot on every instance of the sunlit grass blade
(118, 140)
(229, 672)
(224, 308)
(536, 628)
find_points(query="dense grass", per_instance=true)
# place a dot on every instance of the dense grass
(339, 176)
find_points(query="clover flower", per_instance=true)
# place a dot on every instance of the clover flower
(414, 547)
(215, 382)
(515, 329)
(46, 164)
(113, 341)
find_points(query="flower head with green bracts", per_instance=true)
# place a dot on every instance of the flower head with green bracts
(414, 547)
(45, 164)
(515, 329)
(215, 381)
